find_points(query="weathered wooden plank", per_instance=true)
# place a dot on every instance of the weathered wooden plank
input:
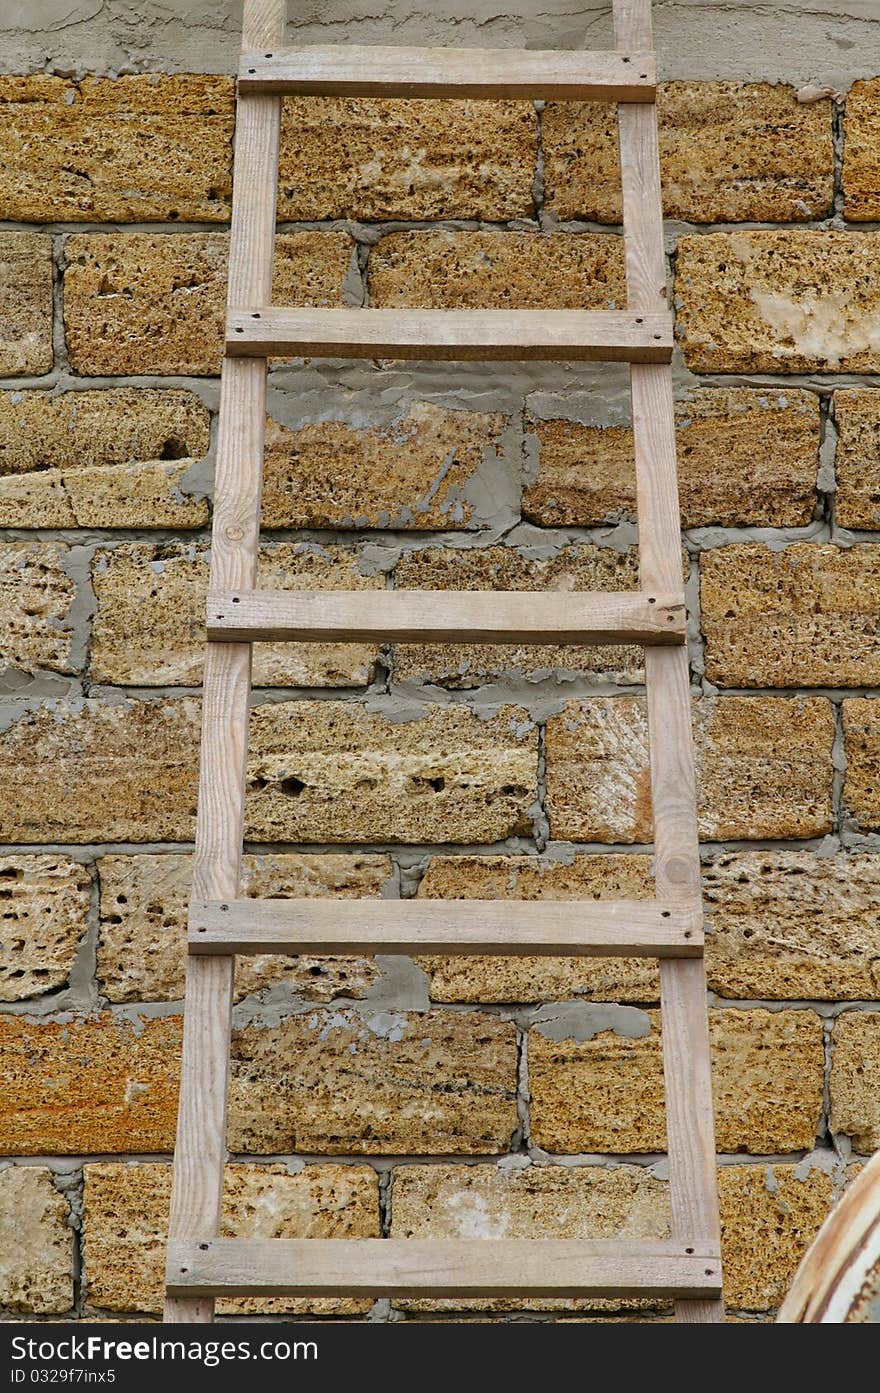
(353, 70)
(436, 1268)
(443, 616)
(200, 1147)
(450, 335)
(689, 1117)
(575, 928)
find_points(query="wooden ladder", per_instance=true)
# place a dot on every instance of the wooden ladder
(201, 1265)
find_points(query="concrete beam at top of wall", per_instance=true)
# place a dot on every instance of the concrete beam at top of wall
(807, 42)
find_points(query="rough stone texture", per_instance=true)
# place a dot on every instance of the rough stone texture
(769, 1217)
(522, 270)
(332, 771)
(605, 1093)
(152, 302)
(855, 1081)
(125, 1224)
(97, 770)
(772, 1210)
(36, 1244)
(130, 149)
(780, 301)
(492, 1202)
(580, 567)
(370, 158)
(415, 473)
(144, 901)
(387, 1082)
(149, 626)
(729, 152)
(764, 768)
(87, 1084)
(100, 459)
(861, 788)
(36, 594)
(745, 458)
(857, 458)
(44, 905)
(792, 925)
(25, 304)
(803, 617)
(534, 978)
(861, 164)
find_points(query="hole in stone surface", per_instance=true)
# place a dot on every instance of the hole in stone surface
(173, 448)
(437, 784)
(291, 787)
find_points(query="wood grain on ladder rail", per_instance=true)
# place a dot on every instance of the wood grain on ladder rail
(687, 1078)
(200, 1146)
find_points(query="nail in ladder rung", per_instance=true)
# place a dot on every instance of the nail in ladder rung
(200, 1265)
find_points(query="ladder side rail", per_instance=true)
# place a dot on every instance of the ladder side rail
(200, 1146)
(686, 1059)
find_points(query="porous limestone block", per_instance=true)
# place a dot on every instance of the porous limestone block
(378, 159)
(539, 978)
(335, 771)
(114, 458)
(152, 302)
(855, 1081)
(764, 768)
(493, 1202)
(497, 270)
(602, 1090)
(779, 301)
(861, 787)
(342, 1082)
(419, 472)
(145, 147)
(793, 925)
(125, 1226)
(36, 596)
(857, 458)
(729, 152)
(25, 304)
(861, 164)
(144, 903)
(88, 1084)
(769, 1217)
(806, 616)
(578, 567)
(746, 457)
(149, 626)
(101, 770)
(44, 907)
(36, 1244)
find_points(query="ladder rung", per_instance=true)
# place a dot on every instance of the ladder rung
(352, 70)
(603, 336)
(566, 928)
(414, 1267)
(444, 616)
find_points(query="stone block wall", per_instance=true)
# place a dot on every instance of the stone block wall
(438, 1097)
